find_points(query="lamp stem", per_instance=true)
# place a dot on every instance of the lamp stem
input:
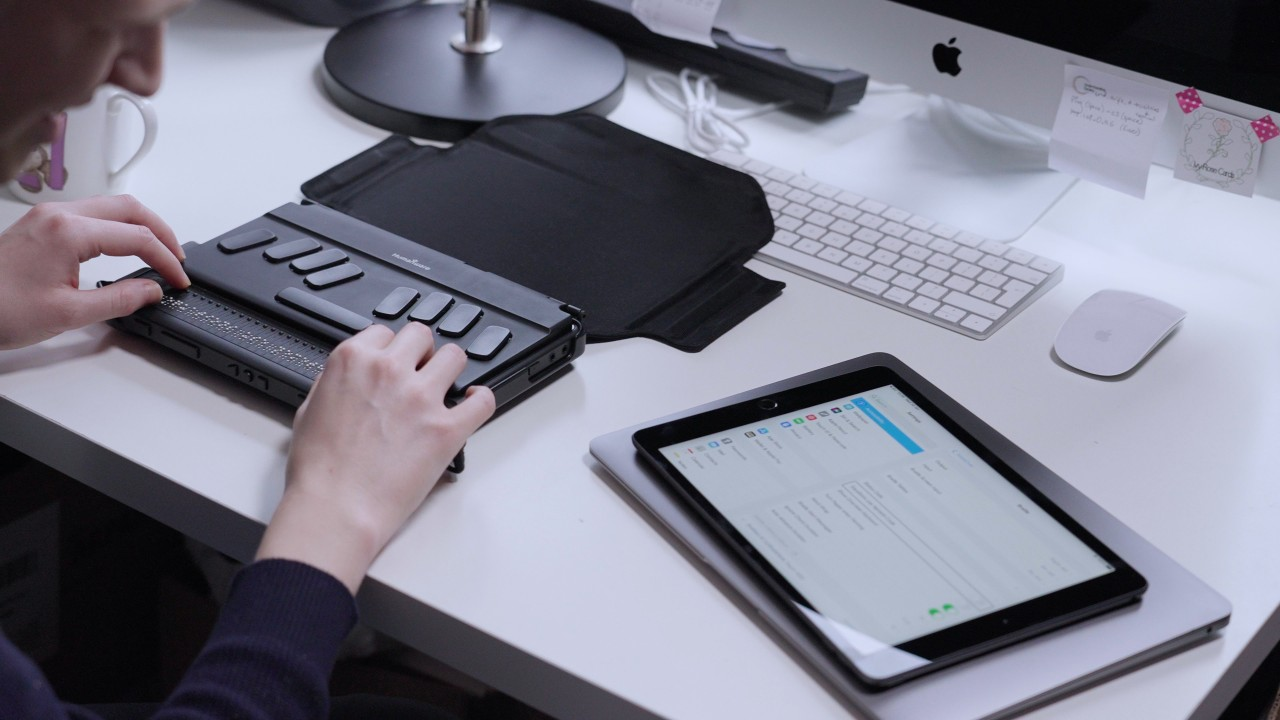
(475, 38)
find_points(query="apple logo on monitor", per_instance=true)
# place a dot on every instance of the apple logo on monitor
(947, 58)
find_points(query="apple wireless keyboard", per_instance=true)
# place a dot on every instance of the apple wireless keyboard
(947, 276)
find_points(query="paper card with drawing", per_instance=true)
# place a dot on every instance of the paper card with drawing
(1106, 129)
(1218, 150)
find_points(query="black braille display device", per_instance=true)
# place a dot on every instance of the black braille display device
(270, 299)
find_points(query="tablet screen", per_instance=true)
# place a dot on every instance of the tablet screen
(898, 539)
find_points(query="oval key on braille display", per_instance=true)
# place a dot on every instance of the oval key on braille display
(291, 250)
(395, 303)
(488, 342)
(245, 240)
(322, 309)
(333, 276)
(431, 308)
(459, 320)
(319, 261)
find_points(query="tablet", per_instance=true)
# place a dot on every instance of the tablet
(897, 538)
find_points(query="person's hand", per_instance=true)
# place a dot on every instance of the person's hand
(370, 441)
(40, 258)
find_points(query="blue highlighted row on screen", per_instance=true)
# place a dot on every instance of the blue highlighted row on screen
(856, 404)
(893, 430)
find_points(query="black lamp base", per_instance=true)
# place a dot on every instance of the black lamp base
(397, 70)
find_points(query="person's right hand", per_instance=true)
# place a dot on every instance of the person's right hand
(40, 257)
(370, 441)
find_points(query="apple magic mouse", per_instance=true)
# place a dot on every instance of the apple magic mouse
(1113, 330)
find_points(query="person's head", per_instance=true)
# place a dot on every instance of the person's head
(54, 53)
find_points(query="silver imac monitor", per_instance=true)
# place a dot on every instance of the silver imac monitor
(1008, 57)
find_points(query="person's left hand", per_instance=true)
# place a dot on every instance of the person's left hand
(40, 257)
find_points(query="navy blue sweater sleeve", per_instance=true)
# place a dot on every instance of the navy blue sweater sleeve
(268, 658)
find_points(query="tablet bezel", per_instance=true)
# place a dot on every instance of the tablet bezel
(940, 649)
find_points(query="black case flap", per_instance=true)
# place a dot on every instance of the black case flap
(647, 239)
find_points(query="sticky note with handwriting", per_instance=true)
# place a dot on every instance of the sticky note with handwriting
(689, 20)
(1106, 129)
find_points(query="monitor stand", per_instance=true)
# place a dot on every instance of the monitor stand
(954, 164)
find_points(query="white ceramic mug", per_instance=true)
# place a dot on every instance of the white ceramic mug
(78, 162)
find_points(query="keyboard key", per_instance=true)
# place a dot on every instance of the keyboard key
(933, 274)
(799, 196)
(834, 255)
(810, 263)
(884, 257)
(835, 240)
(813, 232)
(245, 240)
(897, 215)
(870, 284)
(950, 314)
(396, 303)
(994, 263)
(924, 304)
(291, 250)
(819, 218)
(334, 275)
(802, 182)
(786, 222)
(806, 245)
(893, 244)
(945, 231)
(1025, 274)
(975, 323)
(796, 210)
(431, 308)
(822, 204)
(903, 280)
(844, 227)
(902, 296)
(488, 342)
(875, 207)
(321, 309)
(1045, 265)
(459, 321)
(858, 264)
(932, 290)
(920, 223)
(785, 237)
(1018, 255)
(940, 261)
(846, 212)
(994, 279)
(881, 272)
(985, 292)
(973, 304)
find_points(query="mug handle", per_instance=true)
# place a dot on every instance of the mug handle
(149, 127)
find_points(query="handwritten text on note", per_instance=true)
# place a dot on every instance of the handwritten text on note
(1107, 129)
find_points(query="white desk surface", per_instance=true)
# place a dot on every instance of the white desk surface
(532, 573)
